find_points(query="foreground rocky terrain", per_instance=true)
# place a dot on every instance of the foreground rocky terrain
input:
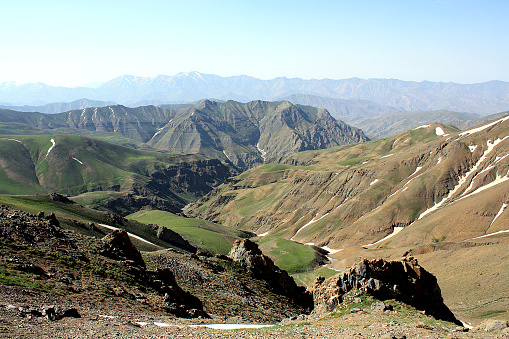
(59, 284)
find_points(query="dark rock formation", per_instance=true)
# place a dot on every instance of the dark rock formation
(60, 198)
(165, 234)
(247, 254)
(178, 301)
(118, 246)
(27, 228)
(403, 280)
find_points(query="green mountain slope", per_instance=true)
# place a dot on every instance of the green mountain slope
(431, 192)
(244, 134)
(120, 178)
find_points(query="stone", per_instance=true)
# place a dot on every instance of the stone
(492, 325)
(380, 306)
(171, 237)
(247, 254)
(403, 280)
(118, 246)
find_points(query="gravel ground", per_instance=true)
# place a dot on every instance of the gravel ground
(116, 324)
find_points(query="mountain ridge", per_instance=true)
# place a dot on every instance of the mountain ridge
(246, 134)
(484, 98)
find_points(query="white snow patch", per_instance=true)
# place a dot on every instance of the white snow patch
(388, 155)
(393, 194)
(439, 160)
(439, 131)
(394, 232)
(416, 170)
(263, 153)
(231, 326)
(331, 250)
(489, 235)
(463, 179)
(309, 223)
(373, 182)
(107, 316)
(309, 243)
(129, 234)
(227, 155)
(472, 148)
(499, 213)
(163, 324)
(158, 131)
(142, 323)
(422, 126)
(77, 160)
(478, 129)
(498, 180)
(262, 234)
(467, 325)
(14, 140)
(53, 145)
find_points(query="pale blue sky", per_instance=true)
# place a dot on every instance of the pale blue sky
(78, 42)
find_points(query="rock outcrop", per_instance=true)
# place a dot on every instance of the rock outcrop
(171, 237)
(403, 280)
(118, 246)
(247, 254)
(178, 302)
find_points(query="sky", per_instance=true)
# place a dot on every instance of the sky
(71, 42)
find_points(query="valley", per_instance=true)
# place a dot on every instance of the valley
(313, 194)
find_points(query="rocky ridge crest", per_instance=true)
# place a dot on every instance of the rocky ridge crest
(403, 280)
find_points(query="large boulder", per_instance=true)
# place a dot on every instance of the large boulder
(247, 254)
(178, 302)
(171, 237)
(403, 280)
(118, 246)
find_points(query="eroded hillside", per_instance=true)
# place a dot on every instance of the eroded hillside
(246, 134)
(431, 191)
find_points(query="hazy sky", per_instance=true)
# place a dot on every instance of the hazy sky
(73, 42)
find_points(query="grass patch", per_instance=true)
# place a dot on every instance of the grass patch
(289, 255)
(12, 278)
(200, 233)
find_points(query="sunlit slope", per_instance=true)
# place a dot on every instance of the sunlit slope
(357, 195)
(74, 165)
(246, 134)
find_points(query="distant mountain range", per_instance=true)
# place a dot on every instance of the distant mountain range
(385, 94)
(59, 107)
(245, 134)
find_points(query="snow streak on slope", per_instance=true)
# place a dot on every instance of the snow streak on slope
(394, 232)
(77, 160)
(499, 213)
(129, 234)
(262, 152)
(53, 145)
(478, 129)
(490, 146)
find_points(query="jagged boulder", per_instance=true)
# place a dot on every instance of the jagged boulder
(247, 254)
(165, 234)
(178, 301)
(118, 246)
(403, 280)
(60, 198)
